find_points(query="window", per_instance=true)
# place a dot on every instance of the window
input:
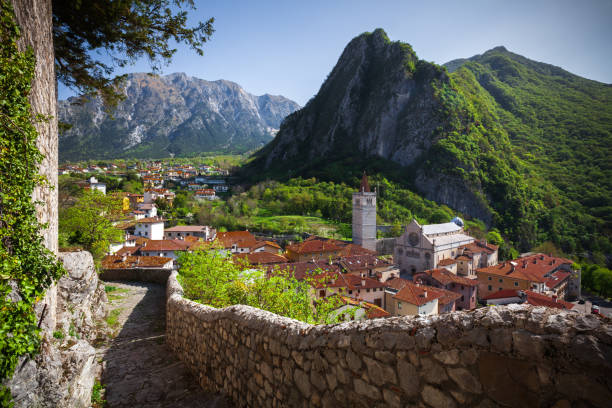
(462, 298)
(350, 292)
(490, 288)
(499, 289)
(322, 293)
(399, 305)
(515, 283)
(501, 280)
(368, 290)
(489, 278)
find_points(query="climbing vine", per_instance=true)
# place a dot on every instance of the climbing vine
(27, 267)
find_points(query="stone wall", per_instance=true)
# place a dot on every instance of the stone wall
(136, 275)
(516, 355)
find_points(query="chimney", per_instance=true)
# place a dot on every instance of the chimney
(362, 281)
(424, 293)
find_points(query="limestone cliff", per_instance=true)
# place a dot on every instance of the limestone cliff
(63, 373)
(172, 114)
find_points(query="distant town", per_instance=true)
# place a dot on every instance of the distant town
(427, 270)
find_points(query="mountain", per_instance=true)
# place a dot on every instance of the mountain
(173, 114)
(521, 145)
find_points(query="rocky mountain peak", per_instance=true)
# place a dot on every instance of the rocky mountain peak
(172, 114)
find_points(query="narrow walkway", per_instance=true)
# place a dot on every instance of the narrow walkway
(139, 369)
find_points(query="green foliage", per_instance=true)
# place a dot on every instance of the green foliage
(212, 278)
(58, 334)
(97, 400)
(597, 279)
(126, 31)
(90, 221)
(27, 268)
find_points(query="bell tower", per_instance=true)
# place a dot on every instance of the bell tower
(364, 216)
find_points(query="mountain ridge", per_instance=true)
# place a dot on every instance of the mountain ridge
(495, 139)
(169, 115)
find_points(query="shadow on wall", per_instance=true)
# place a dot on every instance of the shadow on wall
(139, 369)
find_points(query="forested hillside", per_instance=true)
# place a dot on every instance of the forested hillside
(521, 145)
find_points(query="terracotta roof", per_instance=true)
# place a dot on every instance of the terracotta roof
(447, 261)
(418, 294)
(260, 244)
(127, 250)
(502, 294)
(480, 246)
(165, 245)
(396, 283)
(312, 246)
(445, 277)
(532, 298)
(258, 258)
(129, 262)
(534, 268)
(362, 262)
(355, 250)
(557, 278)
(186, 228)
(463, 258)
(538, 299)
(446, 296)
(372, 311)
(150, 220)
(243, 239)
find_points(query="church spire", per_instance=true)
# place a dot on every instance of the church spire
(365, 186)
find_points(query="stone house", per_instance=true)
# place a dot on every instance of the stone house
(444, 279)
(403, 297)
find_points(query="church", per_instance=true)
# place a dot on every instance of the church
(424, 247)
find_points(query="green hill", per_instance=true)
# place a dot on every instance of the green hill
(519, 144)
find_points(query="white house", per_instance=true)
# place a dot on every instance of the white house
(95, 185)
(152, 228)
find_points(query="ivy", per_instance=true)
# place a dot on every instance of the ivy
(27, 267)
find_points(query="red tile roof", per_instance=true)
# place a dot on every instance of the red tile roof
(129, 262)
(165, 245)
(447, 261)
(418, 295)
(243, 239)
(532, 298)
(259, 258)
(312, 246)
(372, 311)
(186, 228)
(260, 244)
(535, 268)
(150, 220)
(355, 250)
(480, 246)
(445, 277)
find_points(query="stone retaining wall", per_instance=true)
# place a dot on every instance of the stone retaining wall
(136, 275)
(517, 355)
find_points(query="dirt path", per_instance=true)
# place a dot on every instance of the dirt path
(138, 369)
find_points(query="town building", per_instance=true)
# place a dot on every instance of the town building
(404, 298)
(445, 279)
(509, 296)
(94, 184)
(261, 258)
(312, 249)
(421, 248)
(170, 248)
(364, 216)
(353, 309)
(267, 246)
(205, 194)
(112, 262)
(237, 242)
(152, 228)
(538, 273)
(181, 231)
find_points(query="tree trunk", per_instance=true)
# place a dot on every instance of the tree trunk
(35, 21)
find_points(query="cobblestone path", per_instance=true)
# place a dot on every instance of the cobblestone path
(139, 370)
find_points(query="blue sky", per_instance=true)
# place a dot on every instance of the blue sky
(288, 47)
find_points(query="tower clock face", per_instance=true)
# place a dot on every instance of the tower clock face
(413, 238)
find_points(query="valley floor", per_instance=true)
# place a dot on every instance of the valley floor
(138, 368)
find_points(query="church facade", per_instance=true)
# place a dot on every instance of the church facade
(423, 247)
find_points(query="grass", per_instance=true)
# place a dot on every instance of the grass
(113, 318)
(298, 224)
(114, 293)
(97, 400)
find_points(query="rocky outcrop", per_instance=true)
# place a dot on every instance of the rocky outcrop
(63, 373)
(515, 356)
(172, 114)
